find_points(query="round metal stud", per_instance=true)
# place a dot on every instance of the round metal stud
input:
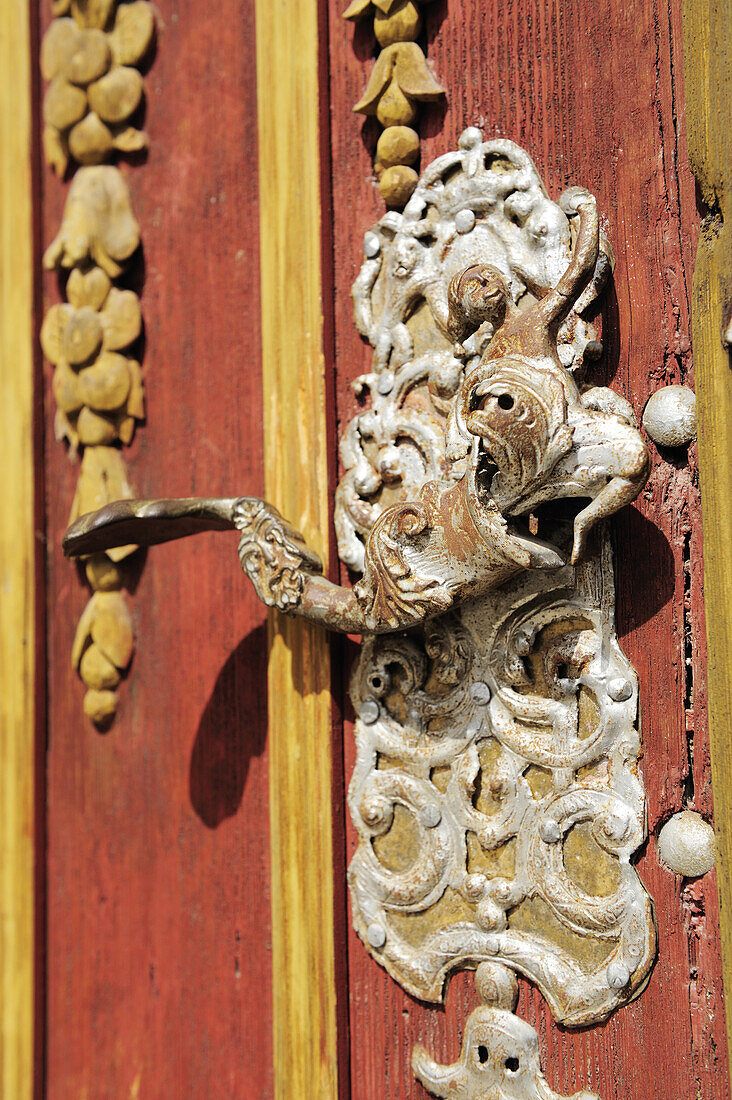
(687, 844)
(549, 831)
(619, 689)
(370, 711)
(376, 935)
(430, 815)
(617, 975)
(464, 221)
(480, 692)
(371, 246)
(670, 416)
(386, 382)
(593, 351)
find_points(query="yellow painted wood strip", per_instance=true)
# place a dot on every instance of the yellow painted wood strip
(708, 81)
(296, 482)
(17, 642)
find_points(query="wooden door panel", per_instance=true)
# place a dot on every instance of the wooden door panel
(158, 929)
(595, 94)
(158, 921)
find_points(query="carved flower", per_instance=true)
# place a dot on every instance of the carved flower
(400, 78)
(394, 20)
(89, 58)
(98, 390)
(98, 224)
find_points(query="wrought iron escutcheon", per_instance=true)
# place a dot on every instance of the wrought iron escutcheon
(496, 793)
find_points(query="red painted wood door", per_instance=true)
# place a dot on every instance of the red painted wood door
(158, 963)
(157, 858)
(595, 93)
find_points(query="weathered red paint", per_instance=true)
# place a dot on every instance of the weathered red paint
(594, 92)
(158, 960)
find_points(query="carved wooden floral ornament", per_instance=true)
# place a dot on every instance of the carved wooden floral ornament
(496, 793)
(400, 81)
(91, 57)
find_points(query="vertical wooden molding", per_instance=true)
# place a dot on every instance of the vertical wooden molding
(17, 635)
(708, 80)
(295, 448)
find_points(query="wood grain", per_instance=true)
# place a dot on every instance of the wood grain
(18, 699)
(707, 41)
(595, 93)
(159, 947)
(296, 480)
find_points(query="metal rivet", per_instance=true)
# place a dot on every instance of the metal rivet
(430, 815)
(480, 692)
(670, 416)
(464, 221)
(619, 689)
(370, 711)
(687, 844)
(376, 935)
(617, 975)
(386, 382)
(371, 245)
(549, 831)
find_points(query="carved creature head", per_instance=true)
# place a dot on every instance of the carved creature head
(475, 295)
(518, 418)
(499, 1060)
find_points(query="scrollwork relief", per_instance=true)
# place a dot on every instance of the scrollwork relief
(496, 792)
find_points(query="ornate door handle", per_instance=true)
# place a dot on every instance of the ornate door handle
(496, 793)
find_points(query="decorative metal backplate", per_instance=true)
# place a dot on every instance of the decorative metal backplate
(496, 792)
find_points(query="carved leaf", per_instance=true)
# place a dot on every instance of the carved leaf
(64, 104)
(359, 8)
(92, 13)
(90, 141)
(52, 331)
(66, 389)
(130, 140)
(117, 94)
(102, 479)
(111, 628)
(105, 384)
(88, 59)
(58, 44)
(133, 31)
(88, 288)
(98, 223)
(55, 150)
(406, 65)
(121, 319)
